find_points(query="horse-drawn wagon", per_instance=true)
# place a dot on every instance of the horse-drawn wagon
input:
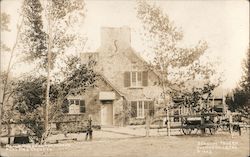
(204, 122)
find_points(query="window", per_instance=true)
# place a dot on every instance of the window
(82, 106)
(139, 109)
(76, 106)
(135, 79)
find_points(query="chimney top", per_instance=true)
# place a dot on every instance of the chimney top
(119, 37)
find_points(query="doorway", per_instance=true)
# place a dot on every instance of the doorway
(107, 114)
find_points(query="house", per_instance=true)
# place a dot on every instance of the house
(101, 103)
(127, 90)
(218, 100)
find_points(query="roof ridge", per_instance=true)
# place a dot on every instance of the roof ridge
(112, 86)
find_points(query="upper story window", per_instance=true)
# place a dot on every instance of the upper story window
(135, 78)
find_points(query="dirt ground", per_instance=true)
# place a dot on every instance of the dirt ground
(108, 143)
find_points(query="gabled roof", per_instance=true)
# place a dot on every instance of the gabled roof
(110, 84)
(130, 53)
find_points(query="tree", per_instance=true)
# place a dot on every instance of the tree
(239, 99)
(5, 20)
(29, 96)
(177, 67)
(245, 82)
(44, 45)
(7, 53)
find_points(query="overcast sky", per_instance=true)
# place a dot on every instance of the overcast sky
(223, 24)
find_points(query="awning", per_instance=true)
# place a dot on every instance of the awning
(106, 96)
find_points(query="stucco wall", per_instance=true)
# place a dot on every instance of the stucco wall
(115, 57)
(114, 60)
(93, 105)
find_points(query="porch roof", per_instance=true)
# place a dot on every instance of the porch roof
(106, 95)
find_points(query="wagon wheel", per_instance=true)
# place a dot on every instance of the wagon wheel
(213, 130)
(195, 130)
(186, 131)
(225, 127)
(184, 128)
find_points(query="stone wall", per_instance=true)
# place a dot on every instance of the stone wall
(116, 59)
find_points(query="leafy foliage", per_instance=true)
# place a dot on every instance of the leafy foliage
(29, 95)
(5, 20)
(199, 98)
(34, 122)
(178, 67)
(245, 82)
(34, 38)
(5, 80)
(165, 37)
(63, 17)
(239, 100)
(44, 45)
(63, 7)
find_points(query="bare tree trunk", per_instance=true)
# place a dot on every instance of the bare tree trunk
(3, 88)
(164, 85)
(1, 101)
(46, 112)
(166, 103)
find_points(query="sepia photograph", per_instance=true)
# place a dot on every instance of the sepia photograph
(127, 78)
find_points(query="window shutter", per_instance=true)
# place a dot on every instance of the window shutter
(77, 102)
(82, 106)
(146, 108)
(146, 105)
(151, 108)
(133, 109)
(145, 78)
(127, 79)
(65, 106)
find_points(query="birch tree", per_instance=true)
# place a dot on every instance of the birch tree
(175, 64)
(9, 55)
(29, 95)
(44, 45)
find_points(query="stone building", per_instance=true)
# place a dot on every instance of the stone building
(128, 90)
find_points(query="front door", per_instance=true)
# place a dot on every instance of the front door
(107, 114)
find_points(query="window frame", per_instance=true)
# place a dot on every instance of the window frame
(140, 108)
(134, 79)
(77, 104)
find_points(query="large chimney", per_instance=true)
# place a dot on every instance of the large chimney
(115, 37)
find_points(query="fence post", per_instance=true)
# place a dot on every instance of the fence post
(230, 124)
(168, 121)
(203, 129)
(89, 130)
(147, 125)
(9, 130)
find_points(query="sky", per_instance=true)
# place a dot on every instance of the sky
(224, 24)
